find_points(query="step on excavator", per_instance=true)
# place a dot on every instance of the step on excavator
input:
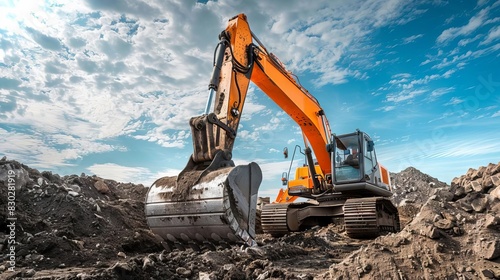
(213, 203)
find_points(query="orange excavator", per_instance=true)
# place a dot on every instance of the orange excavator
(212, 202)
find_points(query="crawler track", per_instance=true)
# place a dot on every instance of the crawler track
(363, 217)
(273, 218)
(369, 217)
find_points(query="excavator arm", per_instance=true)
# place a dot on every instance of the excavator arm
(237, 62)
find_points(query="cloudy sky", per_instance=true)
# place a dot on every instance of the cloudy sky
(107, 87)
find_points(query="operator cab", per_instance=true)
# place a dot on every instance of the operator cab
(355, 167)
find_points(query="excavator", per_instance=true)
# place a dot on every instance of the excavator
(213, 203)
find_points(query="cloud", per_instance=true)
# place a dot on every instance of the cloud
(474, 23)
(459, 61)
(8, 83)
(386, 108)
(412, 39)
(466, 41)
(454, 101)
(436, 149)
(319, 43)
(271, 125)
(493, 35)
(405, 95)
(136, 8)
(441, 91)
(497, 114)
(47, 42)
(448, 73)
(48, 150)
(119, 173)
(406, 85)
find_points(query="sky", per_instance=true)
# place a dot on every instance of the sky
(108, 87)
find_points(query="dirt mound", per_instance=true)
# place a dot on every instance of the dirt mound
(86, 227)
(455, 235)
(69, 221)
(412, 189)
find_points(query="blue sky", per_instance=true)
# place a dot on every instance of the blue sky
(108, 87)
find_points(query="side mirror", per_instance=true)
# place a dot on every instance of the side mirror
(330, 148)
(285, 152)
(284, 180)
(370, 145)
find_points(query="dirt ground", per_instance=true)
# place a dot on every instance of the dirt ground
(86, 227)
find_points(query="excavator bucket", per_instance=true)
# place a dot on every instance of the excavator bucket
(211, 209)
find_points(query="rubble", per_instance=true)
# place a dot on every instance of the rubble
(455, 235)
(451, 232)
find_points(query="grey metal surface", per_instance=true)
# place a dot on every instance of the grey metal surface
(215, 210)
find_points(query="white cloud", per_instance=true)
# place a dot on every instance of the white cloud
(474, 23)
(454, 101)
(48, 151)
(493, 35)
(404, 95)
(481, 2)
(412, 39)
(386, 108)
(448, 73)
(436, 151)
(459, 61)
(247, 135)
(426, 79)
(120, 173)
(466, 41)
(497, 114)
(272, 125)
(441, 91)
(427, 61)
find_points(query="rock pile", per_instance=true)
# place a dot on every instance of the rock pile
(411, 186)
(455, 235)
(412, 189)
(69, 221)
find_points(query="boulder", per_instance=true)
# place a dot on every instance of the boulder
(493, 169)
(444, 224)
(488, 248)
(477, 185)
(495, 193)
(470, 172)
(430, 231)
(479, 204)
(487, 182)
(101, 187)
(495, 179)
(492, 222)
(478, 173)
